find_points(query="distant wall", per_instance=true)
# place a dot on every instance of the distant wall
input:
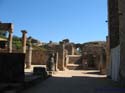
(39, 57)
(75, 59)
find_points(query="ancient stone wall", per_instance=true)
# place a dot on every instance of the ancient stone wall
(39, 57)
(94, 53)
(65, 49)
(116, 23)
(113, 22)
(122, 37)
(75, 60)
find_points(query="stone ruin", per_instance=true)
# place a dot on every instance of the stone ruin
(72, 56)
(9, 49)
(11, 63)
(68, 55)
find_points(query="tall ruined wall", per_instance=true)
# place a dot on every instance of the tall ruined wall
(113, 28)
(113, 22)
(116, 24)
(122, 36)
(94, 53)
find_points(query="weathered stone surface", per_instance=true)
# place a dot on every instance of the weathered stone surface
(122, 36)
(116, 25)
(113, 22)
(74, 59)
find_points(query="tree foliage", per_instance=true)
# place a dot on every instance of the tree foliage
(17, 43)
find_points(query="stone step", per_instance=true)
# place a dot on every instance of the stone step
(74, 66)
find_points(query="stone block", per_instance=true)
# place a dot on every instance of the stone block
(40, 71)
(12, 67)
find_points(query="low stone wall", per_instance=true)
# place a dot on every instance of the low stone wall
(75, 59)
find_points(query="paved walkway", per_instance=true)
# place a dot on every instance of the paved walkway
(76, 82)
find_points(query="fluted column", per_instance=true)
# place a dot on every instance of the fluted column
(24, 39)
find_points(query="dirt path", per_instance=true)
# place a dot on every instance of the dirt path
(76, 82)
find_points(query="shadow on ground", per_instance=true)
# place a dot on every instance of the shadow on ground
(76, 84)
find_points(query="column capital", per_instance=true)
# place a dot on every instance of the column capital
(23, 31)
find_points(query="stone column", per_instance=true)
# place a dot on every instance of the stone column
(57, 59)
(24, 39)
(10, 37)
(28, 63)
(63, 55)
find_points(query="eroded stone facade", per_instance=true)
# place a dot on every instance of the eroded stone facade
(116, 41)
(96, 55)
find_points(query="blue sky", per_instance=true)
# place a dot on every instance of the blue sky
(78, 20)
